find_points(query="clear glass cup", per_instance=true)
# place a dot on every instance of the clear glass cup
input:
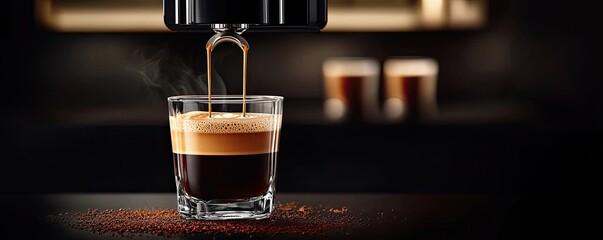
(225, 156)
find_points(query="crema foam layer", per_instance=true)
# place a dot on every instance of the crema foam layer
(225, 133)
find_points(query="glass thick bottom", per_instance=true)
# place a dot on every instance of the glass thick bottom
(224, 209)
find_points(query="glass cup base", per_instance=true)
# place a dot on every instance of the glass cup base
(252, 208)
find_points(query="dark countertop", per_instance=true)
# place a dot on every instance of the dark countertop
(384, 215)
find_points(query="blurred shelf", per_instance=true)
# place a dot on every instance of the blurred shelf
(343, 15)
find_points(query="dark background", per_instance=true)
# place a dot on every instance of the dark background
(519, 98)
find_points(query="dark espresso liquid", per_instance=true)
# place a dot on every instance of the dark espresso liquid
(351, 87)
(224, 177)
(226, 156)
(417, 94)
(410, 92)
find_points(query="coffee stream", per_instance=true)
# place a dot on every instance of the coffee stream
(227, 36)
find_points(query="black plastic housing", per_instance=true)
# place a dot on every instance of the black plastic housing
(260, 15)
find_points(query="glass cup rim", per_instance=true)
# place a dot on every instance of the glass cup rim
(225, 98)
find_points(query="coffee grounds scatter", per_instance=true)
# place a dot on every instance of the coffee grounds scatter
(287, 219)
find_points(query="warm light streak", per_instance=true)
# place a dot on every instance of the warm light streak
(110, 18)
(432, 12)
(371, 19)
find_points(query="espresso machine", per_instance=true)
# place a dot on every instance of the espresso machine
(245, 15)
(231, 18)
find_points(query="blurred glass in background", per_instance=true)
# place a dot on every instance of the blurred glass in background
(410, 89)
(351, 89)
